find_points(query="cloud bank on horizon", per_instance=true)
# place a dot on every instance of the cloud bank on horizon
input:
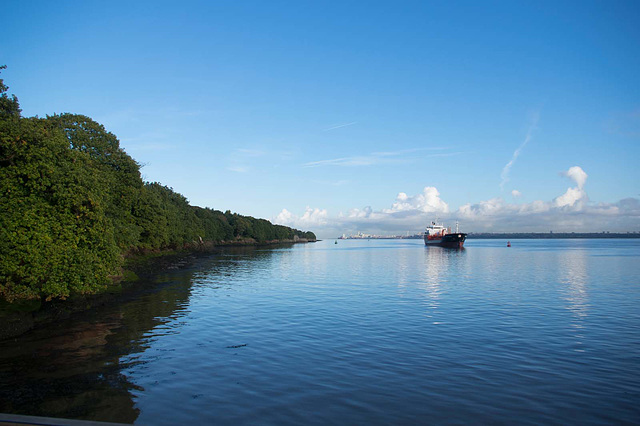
(571, 211)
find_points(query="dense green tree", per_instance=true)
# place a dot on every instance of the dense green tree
(9, 106)
(55, 237)
(117, 170)
(72, 203)
(180, 223)
(216, 228)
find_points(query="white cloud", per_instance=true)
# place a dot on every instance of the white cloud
(487, 208)
(285, 217)
(574, 197)
(570, 211)
(576, 174)
(428, 202)
(360, 213)
(537, 206)
(515, 193)
(312, 217)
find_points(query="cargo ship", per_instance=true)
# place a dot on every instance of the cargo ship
(437, 235)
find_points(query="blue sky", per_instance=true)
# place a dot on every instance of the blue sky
(345, 116)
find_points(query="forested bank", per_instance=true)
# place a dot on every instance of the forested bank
(73, 204)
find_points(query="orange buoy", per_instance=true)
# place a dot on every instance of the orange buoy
(508, 243)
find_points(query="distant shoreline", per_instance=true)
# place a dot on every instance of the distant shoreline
(550, 236)
(515, 236)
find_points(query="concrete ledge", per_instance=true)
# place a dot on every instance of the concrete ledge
(19, 420)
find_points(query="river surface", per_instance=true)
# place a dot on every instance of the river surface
(359, 332)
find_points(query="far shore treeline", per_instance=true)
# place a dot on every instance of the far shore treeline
(73, 205)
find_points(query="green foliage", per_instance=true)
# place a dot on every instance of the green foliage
(117, 171)
(215, 226)
(9, 106)
(72, 202)
(54, 236)
(167, 219)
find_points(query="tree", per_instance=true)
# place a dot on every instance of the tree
(9, 106)
(119, 173)
(54, 235)
(72, 203)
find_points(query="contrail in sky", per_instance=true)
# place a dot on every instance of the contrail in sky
(505, 171)
(388, 157)
(340, 125)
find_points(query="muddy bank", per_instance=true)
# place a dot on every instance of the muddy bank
(137, 276)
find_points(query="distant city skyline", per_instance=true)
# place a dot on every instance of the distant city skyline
(340, 117)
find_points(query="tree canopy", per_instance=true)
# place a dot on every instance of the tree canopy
(9, 106)
(73, 203)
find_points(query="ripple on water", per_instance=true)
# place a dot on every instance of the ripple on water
(362, 332)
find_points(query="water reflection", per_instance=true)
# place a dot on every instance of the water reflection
(573, 275)
(67, 371)
(404, 264)
(346, 333)
(81, 367)
(435, 274)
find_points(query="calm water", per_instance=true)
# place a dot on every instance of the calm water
(362, 332)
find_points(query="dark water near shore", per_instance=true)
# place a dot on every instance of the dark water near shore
(382, 332)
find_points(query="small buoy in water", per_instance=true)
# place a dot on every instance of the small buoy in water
(336, 242)
(508, 243)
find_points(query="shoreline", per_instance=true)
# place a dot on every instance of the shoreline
(139, 267)
(515, 236)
